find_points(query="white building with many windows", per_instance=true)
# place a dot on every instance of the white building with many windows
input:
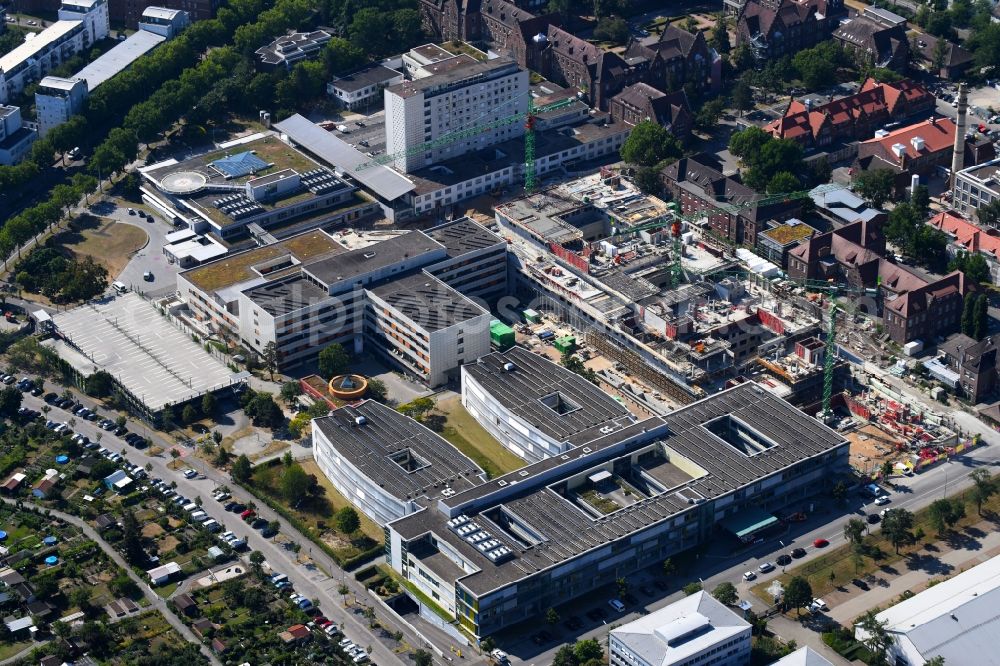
(693, 631)
(57, 100)
(15, 138)
(394, 290)
(976, 186)
(536, 408)
(93, 13)
(467, 93)
(387, 464)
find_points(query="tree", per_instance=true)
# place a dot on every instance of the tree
(748, 142)
(783, 182)
(973, 265)
(269, 358)
(189, 414)
(968, 311)
(612, 29)
(839, 492)
(295, 484)
(668, 567)
(347, 520)
(416, 409)
(983, 488)
(719, 36)
(290, 391)
(708, 115)
(876, 637)
(742, 96)
(242, 469)
(10, 401)
(132, 539)
(989, 214)
(552, 616)
(897, 525)
(263, 410)
(564, 657)
(587, 650)
(621, 586)
(99, 384)
(422, 657)
(798, 593)
(874, 185)
(274, 526)
(648, 144)
(938, 660)
(981, 317)
(854, 531)
(377, 390)
(920, 199)
(725, 593)
(693, 587)
(256, 562)
(944, 513)
(208, 404)
(333, 360)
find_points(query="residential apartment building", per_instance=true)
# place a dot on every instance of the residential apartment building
(775, 30)
(471, 93)
(504, 551)
(35, 58)
(852, 118)
(57, 100)
(306, 292)
(693, 631)
(130, 12)
(15, 138)
(164, 21)
(730, 207)
(976, 186)
(93, 13)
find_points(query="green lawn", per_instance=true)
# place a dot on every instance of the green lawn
(471, 439)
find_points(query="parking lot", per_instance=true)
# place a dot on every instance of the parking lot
(154, 360)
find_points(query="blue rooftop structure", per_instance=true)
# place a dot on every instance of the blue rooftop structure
(240, 164)
(49, 541)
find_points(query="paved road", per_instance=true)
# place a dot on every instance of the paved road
(155, 601)
(314, 583)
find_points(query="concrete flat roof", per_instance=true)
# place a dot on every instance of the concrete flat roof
(155, 361)
(119, 58)
(428, 302)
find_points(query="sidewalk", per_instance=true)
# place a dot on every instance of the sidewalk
(931, 565)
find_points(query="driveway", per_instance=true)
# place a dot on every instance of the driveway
(149, 258)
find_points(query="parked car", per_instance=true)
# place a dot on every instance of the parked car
(882, 500)
(765, 567)
(821, 543)
(798, 552)
(857, 582)
(818, 605)
(617, 605)
(784, 560)
(749, 575)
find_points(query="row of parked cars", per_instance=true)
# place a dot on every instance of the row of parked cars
(193, 509)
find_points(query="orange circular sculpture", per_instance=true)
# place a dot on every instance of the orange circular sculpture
(348, 387)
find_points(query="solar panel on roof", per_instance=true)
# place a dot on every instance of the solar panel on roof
(240, 164)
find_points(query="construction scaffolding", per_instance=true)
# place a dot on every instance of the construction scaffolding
(635, 366)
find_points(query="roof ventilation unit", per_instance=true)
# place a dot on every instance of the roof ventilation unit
(509, 367)
(360, 420)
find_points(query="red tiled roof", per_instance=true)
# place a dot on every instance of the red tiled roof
(298, 630)
(938, 134)
(970, 237)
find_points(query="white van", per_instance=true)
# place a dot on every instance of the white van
(119, 287)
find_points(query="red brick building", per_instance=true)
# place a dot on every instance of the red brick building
(642, 101)
(854, 117)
